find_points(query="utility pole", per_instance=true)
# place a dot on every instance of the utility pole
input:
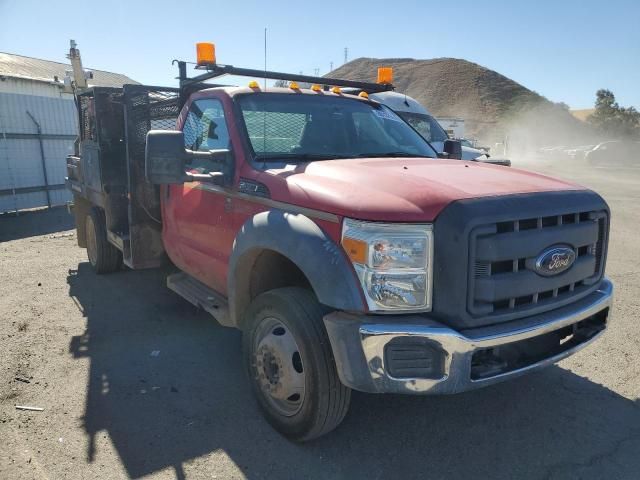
(346, 54)
(316, 72)
(331, 66)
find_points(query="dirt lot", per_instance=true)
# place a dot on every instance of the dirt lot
(134, 382)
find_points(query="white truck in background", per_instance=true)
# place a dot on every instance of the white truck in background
(414, 113)
(452, 125)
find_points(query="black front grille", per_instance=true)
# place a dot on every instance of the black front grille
(503, 279)
(480, 253)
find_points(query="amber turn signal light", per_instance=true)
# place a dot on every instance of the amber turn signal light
(356, 250)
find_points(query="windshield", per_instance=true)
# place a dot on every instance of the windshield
(315, 127)
(426, 125)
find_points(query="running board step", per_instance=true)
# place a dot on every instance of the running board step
(198, 294)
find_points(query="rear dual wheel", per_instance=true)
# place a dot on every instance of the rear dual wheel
(103, 257)
(290, 364)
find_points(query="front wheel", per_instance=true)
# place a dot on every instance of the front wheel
(290, 364)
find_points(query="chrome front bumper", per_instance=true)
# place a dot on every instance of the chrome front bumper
(359, 344)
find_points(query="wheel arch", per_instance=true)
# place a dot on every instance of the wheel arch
(296, 247)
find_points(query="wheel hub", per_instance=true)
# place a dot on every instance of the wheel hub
(269, 367)
(278, 367)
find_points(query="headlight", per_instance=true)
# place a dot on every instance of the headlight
(393, 262)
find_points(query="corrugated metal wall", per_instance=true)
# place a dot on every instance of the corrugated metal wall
(22, 180)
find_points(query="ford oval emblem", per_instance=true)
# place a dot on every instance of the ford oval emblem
(555, 260)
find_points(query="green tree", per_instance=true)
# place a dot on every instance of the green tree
(612, 119)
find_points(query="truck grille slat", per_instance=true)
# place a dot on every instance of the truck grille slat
(503, 276)
(599, 246)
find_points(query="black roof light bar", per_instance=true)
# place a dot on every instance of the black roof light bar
(216, 70)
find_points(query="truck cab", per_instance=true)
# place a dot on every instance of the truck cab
(328, 230)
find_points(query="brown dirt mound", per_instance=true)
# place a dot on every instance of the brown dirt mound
(492, 105)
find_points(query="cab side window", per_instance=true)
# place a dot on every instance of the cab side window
(205, 129)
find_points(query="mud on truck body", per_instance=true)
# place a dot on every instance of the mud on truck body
(325, 228)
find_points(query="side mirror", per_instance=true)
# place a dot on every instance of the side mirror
(453, 148)
(165, 157)
(220, 159)
(167, 161)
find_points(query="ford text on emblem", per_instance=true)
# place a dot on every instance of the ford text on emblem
(555, 260)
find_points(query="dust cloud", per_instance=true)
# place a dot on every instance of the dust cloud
(548, 133)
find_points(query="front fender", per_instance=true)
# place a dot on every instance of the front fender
(302, 241)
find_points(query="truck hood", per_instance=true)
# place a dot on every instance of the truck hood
(406, 189)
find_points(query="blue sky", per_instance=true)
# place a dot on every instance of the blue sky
(564, 49)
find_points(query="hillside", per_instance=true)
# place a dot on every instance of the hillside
(492, 105)
(583, 114)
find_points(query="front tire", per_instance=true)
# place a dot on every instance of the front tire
(290, 364)
(103, 257)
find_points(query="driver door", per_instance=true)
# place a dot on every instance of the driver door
(197, 209)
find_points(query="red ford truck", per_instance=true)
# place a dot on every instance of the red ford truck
(328, 230)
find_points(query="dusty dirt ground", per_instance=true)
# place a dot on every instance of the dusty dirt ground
(83, 347)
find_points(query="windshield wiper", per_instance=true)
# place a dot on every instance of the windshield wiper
(391, 154)
(310, 157)
(298, 156)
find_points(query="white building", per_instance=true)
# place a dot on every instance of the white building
(38, 127)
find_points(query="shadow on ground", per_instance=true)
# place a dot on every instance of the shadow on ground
(35, 222)
(191, 399)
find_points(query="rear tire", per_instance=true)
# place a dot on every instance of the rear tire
(103, 257)
(290, 364)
